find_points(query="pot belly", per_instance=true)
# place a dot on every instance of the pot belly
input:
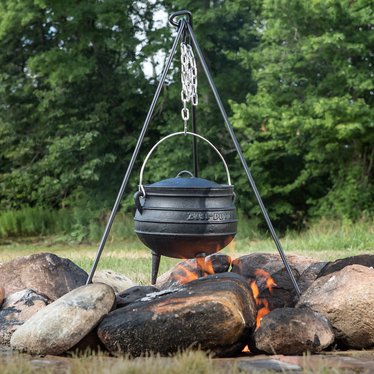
(183, 246)
(184, 234)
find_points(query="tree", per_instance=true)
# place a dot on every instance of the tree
(308, 130)
(71, 86)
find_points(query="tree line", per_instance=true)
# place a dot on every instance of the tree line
(296, 78)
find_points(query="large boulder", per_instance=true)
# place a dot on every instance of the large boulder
(346, 298)
(64, 323)
(45, 273)
(215, 313)
(283, 294)
(18, 307)
(291, 331)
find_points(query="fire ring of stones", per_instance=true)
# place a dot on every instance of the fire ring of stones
(219, 305)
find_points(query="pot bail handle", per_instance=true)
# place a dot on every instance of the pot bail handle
(141, 187)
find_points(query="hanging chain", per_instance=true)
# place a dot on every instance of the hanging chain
(189, 81)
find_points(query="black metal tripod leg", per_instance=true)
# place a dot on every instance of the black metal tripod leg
(243, 161)
(136, 151)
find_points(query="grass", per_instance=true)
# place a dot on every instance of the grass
(186, 363)
(326, 240)
(189, 362)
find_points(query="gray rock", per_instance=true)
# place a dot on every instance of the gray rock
(118, 282)
(62, 324)
(283, 294)
(18, 307)
(134, 294)
(293, 331)
(346, 298)
(309, 275)
(45, 273)
(331, 267)
(90, 343)
(188, 270)
(215, 313)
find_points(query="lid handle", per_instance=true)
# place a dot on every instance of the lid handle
(185, 172)
(141, 187)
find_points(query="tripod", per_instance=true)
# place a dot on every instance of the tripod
(184, 28)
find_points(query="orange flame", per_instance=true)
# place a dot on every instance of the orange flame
(255, 290)
(264, 278)
(185, 275)
(190, 270)
(205, 266)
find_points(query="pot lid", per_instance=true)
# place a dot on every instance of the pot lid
(183, 182)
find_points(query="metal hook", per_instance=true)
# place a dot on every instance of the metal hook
(180, 13)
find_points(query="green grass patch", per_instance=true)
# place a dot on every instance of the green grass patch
(189, 362)
(326, 240)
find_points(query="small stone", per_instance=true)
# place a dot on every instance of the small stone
(118, 282)
(346, 299)
(293, 331)
(2, 295)
(267, 366)
(45, 273)
(62, 324)
(18, 307)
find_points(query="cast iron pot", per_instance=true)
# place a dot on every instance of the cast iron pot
(185, 217)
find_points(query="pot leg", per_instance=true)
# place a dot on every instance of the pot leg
(200, 262)
(155, 265)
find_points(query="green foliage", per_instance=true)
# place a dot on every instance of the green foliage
(75, 225)
(33, 221)
(308, 132)
(70, 87)
(73, 97)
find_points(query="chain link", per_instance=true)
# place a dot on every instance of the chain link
(189, 81)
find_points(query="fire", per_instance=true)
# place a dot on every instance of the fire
(204, 266)
(185, 275)
(264, 277)
(190, 270)
(265, 281)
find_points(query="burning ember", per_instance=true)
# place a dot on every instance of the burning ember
(190, 270)
(264, 281)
